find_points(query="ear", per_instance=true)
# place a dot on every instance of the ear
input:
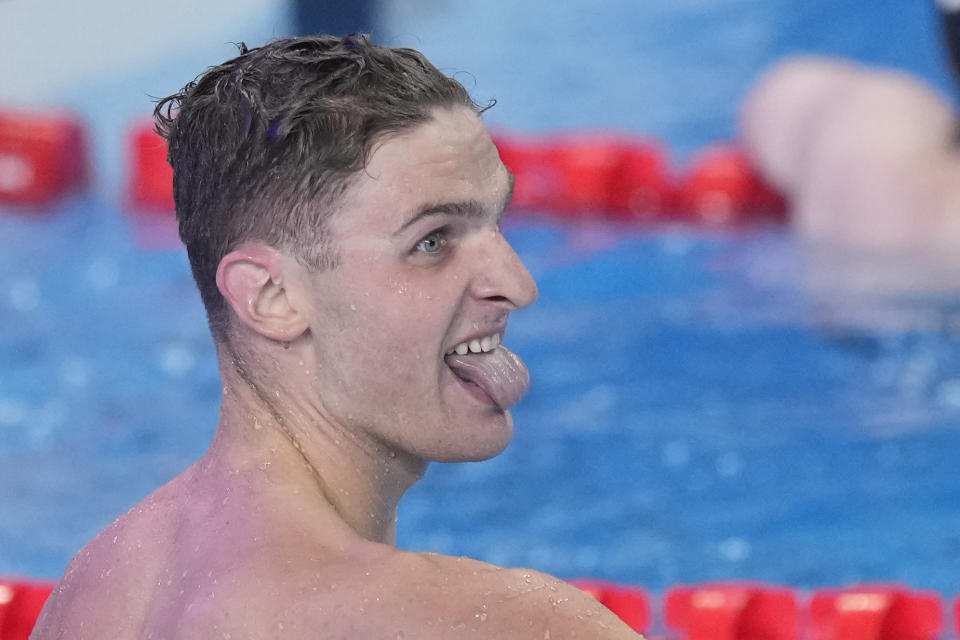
(256, 281)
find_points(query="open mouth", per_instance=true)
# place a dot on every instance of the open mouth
(489, 371)
(482, 345)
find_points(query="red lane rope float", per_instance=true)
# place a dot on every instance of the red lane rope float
(43, 157)
(878, 612)
(756, 611)
(622, 177)
(722, 187)
(150, 181)
(733, 611)
(956, 616)
(20, 605)
(588, 174)
(580, 174)
(631, 604)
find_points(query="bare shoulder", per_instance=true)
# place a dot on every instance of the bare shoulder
(410, 595)
(120, 565)
(522, 603)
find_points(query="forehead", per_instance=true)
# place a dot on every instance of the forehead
(449, 158)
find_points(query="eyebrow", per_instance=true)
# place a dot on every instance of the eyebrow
(464, 209)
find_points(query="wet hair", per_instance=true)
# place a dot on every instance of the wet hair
(264, 146)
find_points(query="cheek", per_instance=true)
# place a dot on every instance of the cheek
(384, 326)
(385, 343)
(406, 314)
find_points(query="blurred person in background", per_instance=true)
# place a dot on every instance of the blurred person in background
(869, 160)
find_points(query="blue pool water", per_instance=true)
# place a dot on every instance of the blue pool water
(698, 411)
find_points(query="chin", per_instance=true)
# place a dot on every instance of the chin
(483, 439)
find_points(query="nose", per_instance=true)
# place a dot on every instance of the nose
(502, 276)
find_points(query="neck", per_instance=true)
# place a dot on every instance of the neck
(285, 442)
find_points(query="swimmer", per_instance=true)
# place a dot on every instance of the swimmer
(867, 157)
(340, 204)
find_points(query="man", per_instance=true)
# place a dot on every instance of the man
(869, 160)
(340, 204)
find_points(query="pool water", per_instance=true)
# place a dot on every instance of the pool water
(698, 410)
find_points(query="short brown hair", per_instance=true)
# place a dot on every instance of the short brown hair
(264, 145)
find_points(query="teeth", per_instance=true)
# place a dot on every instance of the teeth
(482, 345)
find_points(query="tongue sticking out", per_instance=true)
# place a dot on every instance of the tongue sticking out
(500, 373)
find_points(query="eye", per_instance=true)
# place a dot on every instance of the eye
(432, 243)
